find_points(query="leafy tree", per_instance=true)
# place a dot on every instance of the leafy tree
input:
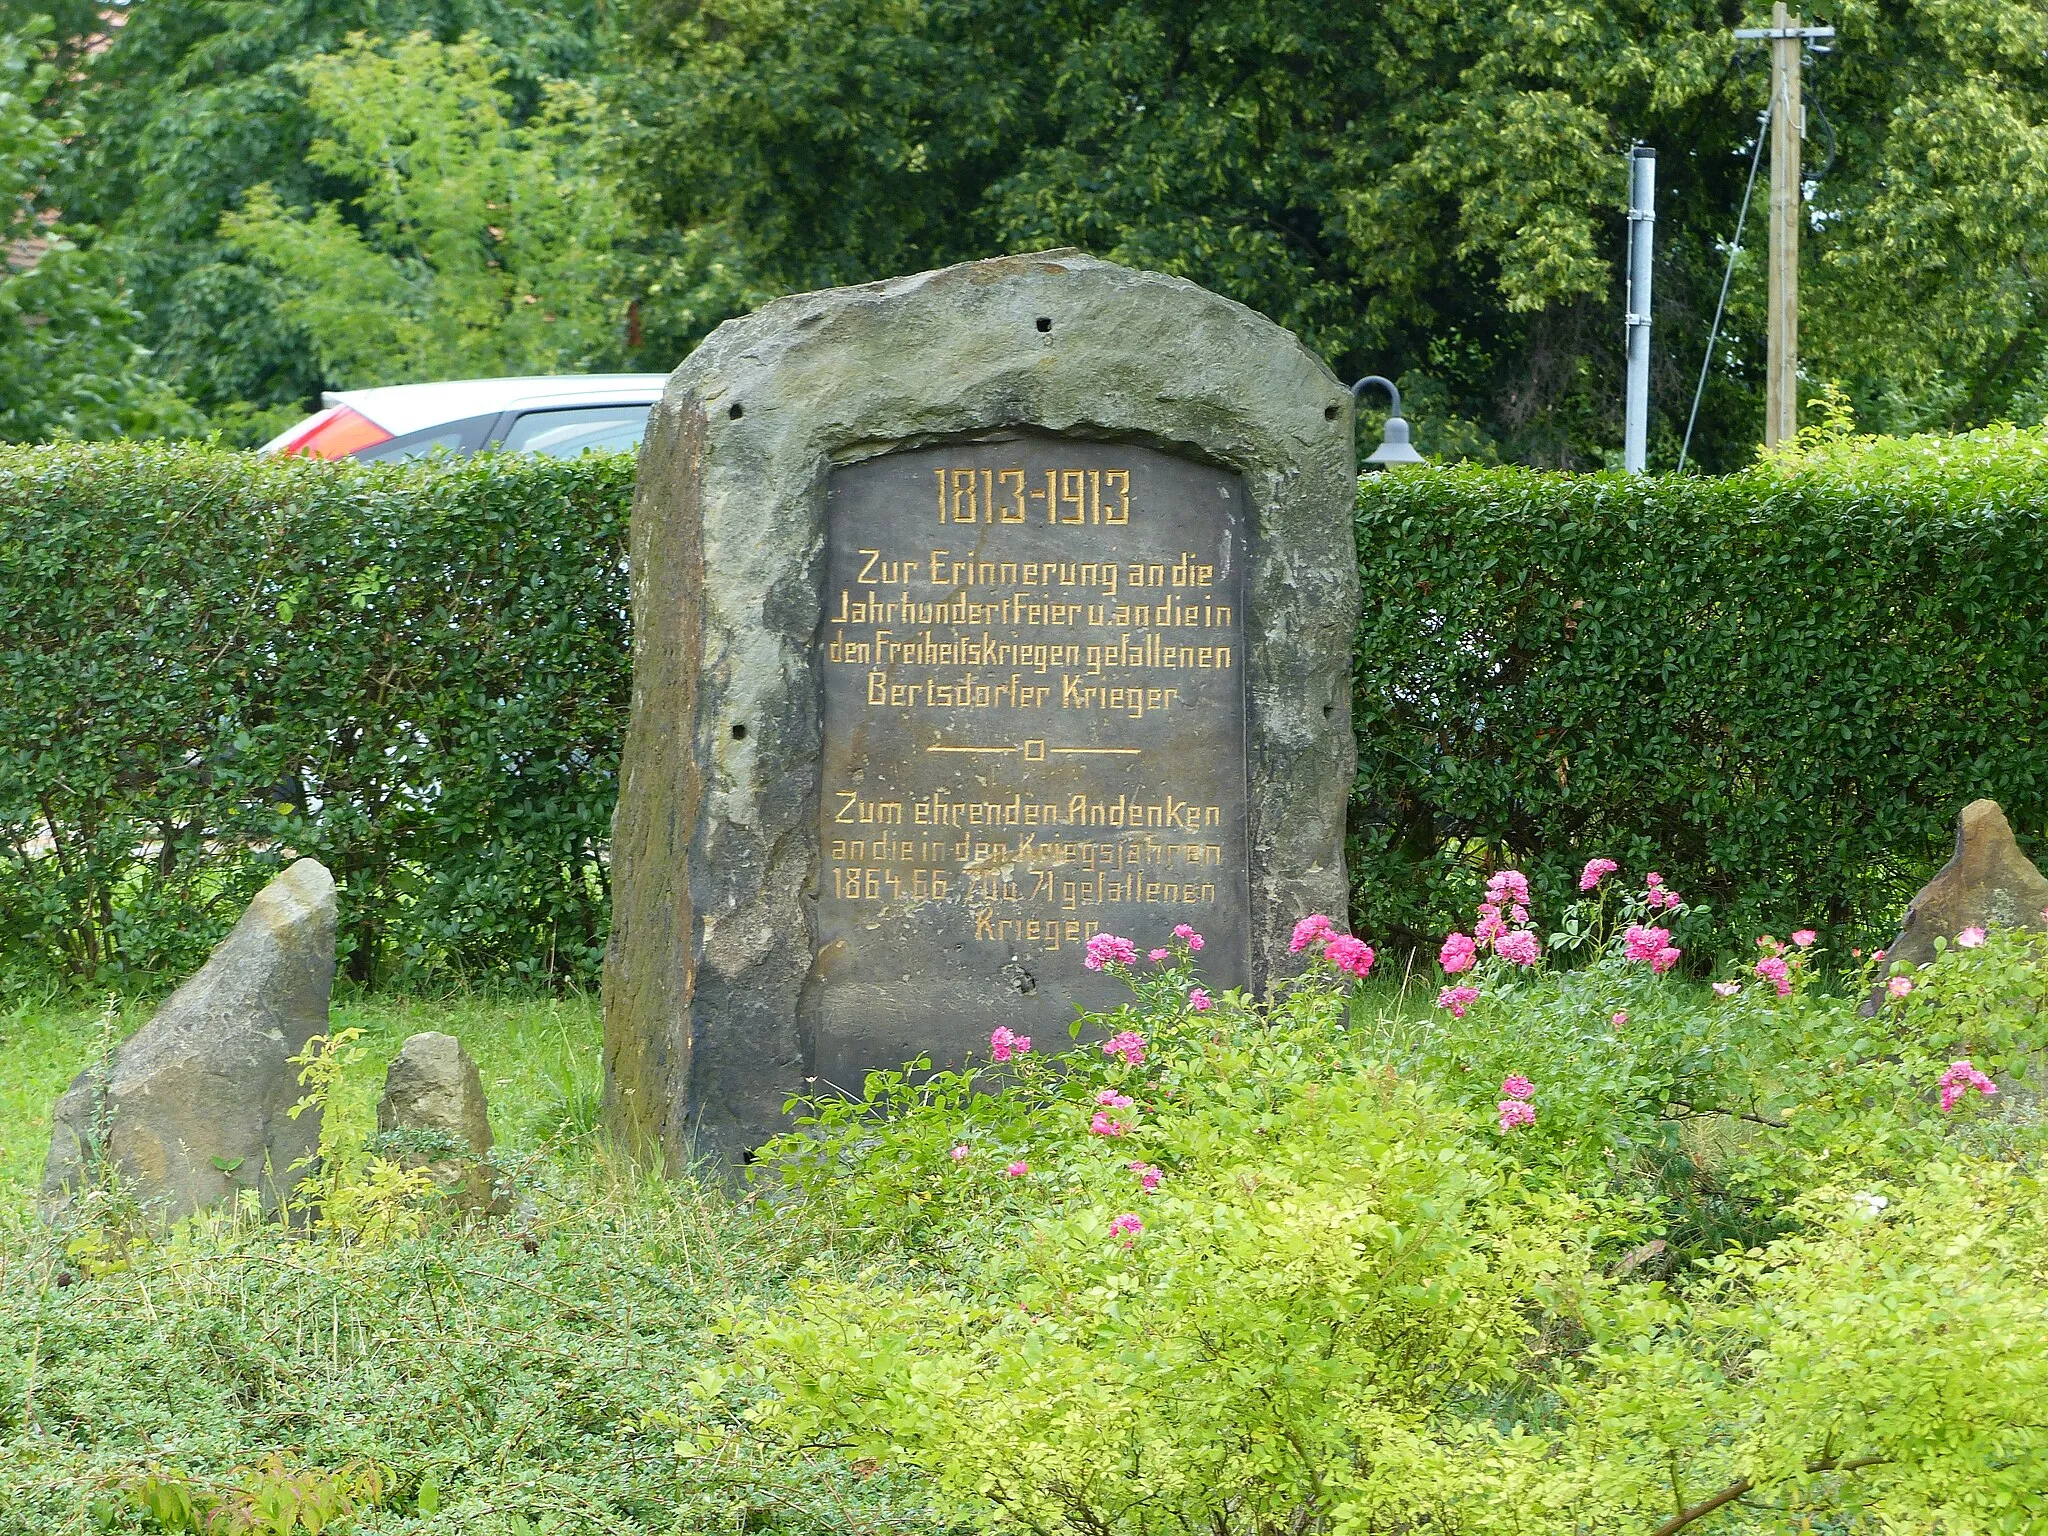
(478, 247)
(1417, 187)
(188, 104)
(69, 362)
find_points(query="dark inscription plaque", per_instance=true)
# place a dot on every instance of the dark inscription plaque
(1033, 653)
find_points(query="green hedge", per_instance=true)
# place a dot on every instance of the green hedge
(1777, 688)
(211, 662)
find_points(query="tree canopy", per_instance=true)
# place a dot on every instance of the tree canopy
(1419, 188)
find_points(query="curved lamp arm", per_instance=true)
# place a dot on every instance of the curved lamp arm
(1393, 394)
(1394, 446)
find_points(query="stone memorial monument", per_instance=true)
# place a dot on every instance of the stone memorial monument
(975, 613)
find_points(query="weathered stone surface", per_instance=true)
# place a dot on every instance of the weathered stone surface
(1987, 883)
(432, 1085)
(711, 990)
(197, 1105)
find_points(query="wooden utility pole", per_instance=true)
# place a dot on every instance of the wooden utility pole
(1788, 40)
(1781, 386)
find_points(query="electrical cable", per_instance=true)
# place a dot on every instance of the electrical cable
(1756, 156)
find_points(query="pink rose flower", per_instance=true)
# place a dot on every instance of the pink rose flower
(1128, 1044)
(1653, 879)
(1200, 1000)
(1148, 1176)
(1727, 988)
(1514, 1112)
(1774, 970)
(1970, 938)
(1458, 954)
(1898, 986)
(1457, 999)
(1620, 1019)
(1491, 924)
(1002, 1045)
(1642, 943)
(1306, 932)
(1595, 871)
(1157, 955)
(1127, 1227)
(1109, 1098)
(1518, 948)
(1960, 1079)
(1348, 954)
(1516, 1086)
(1804, 937)
(1101, 1124)
(960, 1154)
(1183, 931)
(1664, 959)
(1108, 949)
(1018, 1169)
(1508, 887)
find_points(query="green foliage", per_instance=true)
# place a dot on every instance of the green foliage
(216, 663)
(70, 365)
(479, 248)
(1356, 1299)
(1426, 190)
(191, 104)
(1786, 682)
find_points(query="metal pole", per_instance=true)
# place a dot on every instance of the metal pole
(1642, 223)
(1781, 369)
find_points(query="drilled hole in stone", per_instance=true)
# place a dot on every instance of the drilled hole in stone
(1328, 711)
(1329, 413)
(1045, 322)
(737, 411)
(739, 733)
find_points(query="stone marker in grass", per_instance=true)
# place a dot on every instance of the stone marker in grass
(976, 613)
(196, 1105)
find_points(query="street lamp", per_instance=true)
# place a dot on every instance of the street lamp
(1394, 446)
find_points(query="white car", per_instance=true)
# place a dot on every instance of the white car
(561, 416)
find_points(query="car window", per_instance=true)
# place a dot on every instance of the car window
(455, 436)
(564, 434)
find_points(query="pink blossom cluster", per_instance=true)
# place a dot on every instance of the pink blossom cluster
(1187, 935)
(1002, 1044)
(1898, 986)
(960, 1154)
(1102, 1122)
(1960, 1078)
(1652, 945)
(1970, 938)
(1804, 937)
(1108, 949)
(1509, 888)
(1518, 948)
(1457, 999)
(1018, 1169)
(1348, 954)
(1499, 927)
(1199, 1000)
(1772, 968)
(1126, 1227)
(1310, 930)
(1514, 1108)
(1658, 896)
(1595, 871)
(1158, 955)
(1127, 1044)
(1148, 1176)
